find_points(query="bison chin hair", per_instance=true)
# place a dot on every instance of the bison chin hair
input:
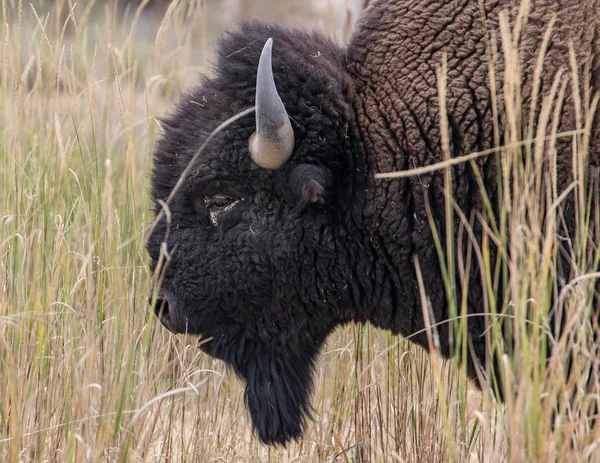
(277, 394)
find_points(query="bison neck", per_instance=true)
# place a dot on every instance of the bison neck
(398, 128)
(394, 233)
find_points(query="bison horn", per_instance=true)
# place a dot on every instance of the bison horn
(272, 143)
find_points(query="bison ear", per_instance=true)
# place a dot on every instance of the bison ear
(309, 184)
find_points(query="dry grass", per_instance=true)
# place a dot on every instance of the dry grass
(86, 376)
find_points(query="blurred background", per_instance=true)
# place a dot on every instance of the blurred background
(332, 15)
(179, 35)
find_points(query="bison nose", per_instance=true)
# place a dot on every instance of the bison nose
(161, 310)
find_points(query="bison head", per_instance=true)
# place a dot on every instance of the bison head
(255, 241)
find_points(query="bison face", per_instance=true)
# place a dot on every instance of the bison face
(253, 240)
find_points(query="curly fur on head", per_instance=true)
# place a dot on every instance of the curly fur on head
(255, 247)
(264, 264)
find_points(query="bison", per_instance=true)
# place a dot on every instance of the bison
(274, 229)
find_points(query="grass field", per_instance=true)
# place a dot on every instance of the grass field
(86, 374)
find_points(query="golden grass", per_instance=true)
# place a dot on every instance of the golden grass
(85, 375)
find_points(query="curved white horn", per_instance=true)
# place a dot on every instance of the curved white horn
(273, 142)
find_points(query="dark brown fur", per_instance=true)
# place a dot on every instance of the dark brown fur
(320, 242)
(393, 57)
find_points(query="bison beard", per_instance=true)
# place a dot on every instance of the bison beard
(277, 392)
(278, 383)
(278, 236)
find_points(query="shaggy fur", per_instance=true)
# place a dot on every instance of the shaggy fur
(265, 264)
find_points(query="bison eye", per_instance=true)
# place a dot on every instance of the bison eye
(217, 205)
(218, 201)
